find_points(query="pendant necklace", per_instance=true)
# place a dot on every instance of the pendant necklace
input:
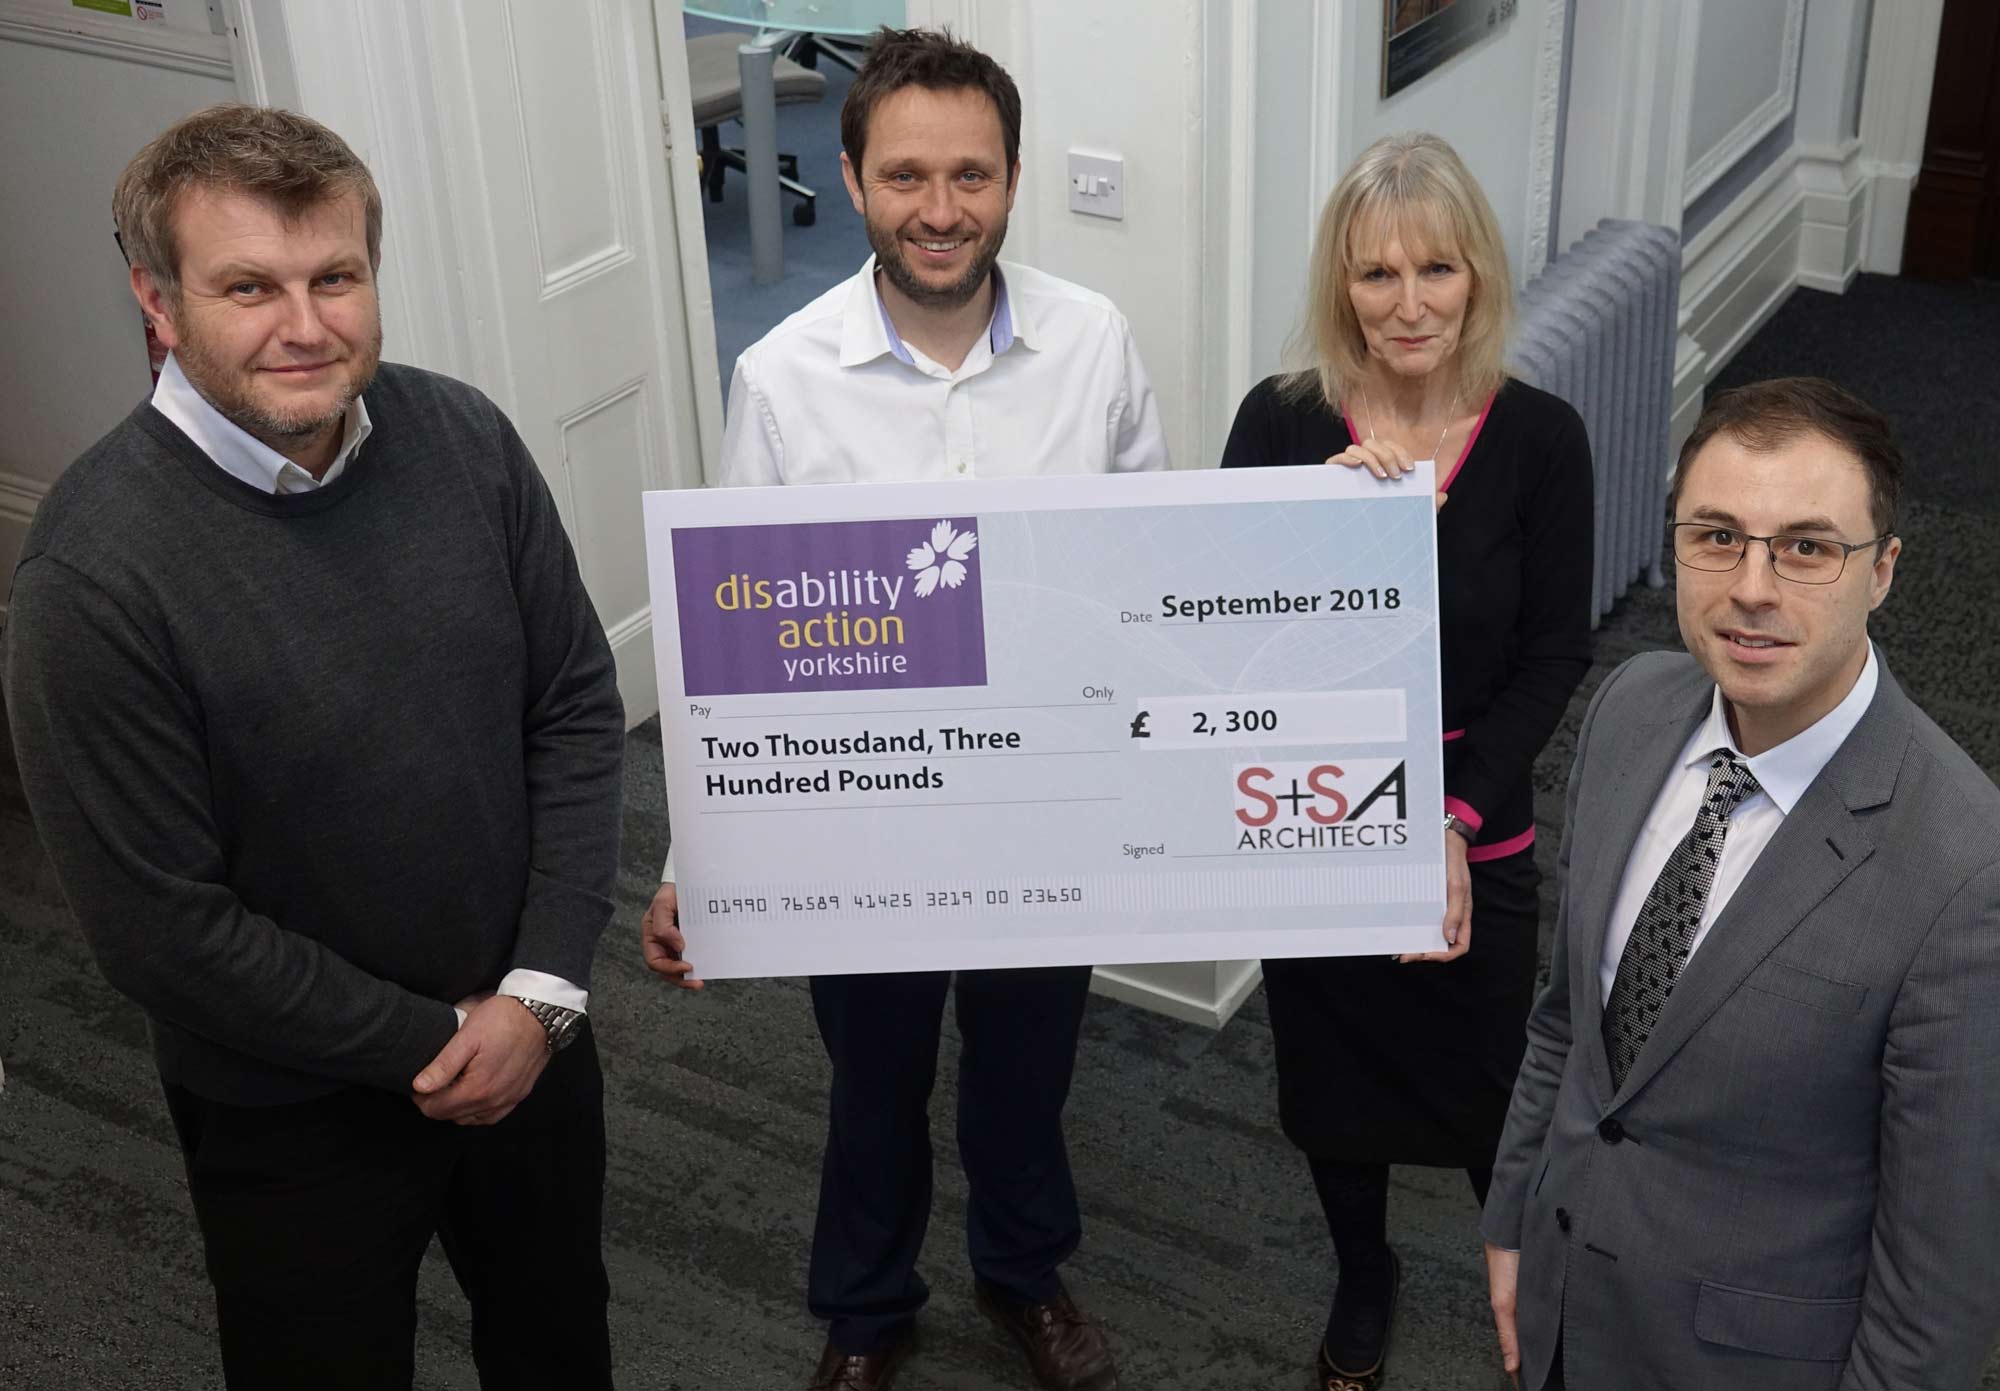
(1450, 416)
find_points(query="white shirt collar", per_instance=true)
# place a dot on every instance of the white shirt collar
(235, 451)
(1785, 772)
(867, 331)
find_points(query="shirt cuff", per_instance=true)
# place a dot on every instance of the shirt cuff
(550, 990)
(1464, 812)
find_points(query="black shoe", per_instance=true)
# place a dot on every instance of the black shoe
(1330, 1376)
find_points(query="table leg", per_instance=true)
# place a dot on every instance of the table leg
(757, 65)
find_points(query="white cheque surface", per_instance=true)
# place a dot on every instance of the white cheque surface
(1046, 721)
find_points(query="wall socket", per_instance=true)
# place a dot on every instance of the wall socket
(1096, 184)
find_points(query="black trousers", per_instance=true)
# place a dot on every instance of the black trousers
(316, 1215)
(1019, 1033)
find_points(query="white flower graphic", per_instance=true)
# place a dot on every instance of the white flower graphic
(942, 559)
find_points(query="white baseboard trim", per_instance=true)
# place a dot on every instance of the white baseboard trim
(631, 639)
(1808, 220)
(1888, 215)
(1132, 985)
(20, 495)
(1833, 216)
(1741, 268)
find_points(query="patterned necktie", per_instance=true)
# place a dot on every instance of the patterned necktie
(1663, 935)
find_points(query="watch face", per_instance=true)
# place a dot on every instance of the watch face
(565, 1030)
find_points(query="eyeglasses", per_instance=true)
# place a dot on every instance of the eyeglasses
(1800, 559)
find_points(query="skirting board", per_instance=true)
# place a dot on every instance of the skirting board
(19, 497)
(1805, 222)
(1205, 992)
(631, 640)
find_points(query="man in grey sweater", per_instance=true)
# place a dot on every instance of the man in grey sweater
(323, 737)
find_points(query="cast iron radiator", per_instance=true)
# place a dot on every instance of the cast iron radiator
(1598, 328)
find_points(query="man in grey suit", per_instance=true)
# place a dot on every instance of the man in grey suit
(1755, 1142)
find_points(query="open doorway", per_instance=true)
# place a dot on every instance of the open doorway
(821, 248)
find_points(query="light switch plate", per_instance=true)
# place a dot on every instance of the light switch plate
(1096, 184)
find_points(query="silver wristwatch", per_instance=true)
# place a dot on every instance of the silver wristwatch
(560, 1023)
(1459, 824)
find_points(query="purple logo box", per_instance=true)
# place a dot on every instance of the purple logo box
(830, 606)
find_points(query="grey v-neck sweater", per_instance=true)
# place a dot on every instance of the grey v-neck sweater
(312, 767)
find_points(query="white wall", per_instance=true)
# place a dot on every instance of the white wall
(1123, 78)
(1319, 106)
(1482, 101)
(78, 97)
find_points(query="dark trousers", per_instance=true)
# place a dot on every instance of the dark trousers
(316, 1215)
(881, 1032)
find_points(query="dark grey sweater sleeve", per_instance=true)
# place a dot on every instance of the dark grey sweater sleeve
(573, 739)
(112, 759)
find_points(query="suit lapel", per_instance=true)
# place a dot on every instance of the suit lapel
(1819, 845)
(1640, 761)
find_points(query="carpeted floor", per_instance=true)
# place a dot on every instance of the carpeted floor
(1203, 1248)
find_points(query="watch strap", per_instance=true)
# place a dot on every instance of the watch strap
(559, 1023)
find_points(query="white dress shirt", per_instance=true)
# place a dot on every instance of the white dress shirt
(264, 468)
(1783, 774)
(834, 395)
(238, 454)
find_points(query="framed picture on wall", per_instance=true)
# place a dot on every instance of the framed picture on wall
(1419, 35)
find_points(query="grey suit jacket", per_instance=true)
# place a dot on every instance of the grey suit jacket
(1799, 1183)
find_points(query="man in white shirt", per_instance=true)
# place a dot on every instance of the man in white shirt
(1755, 1141)
(938, 361)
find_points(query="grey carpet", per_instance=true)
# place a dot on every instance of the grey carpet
(1203, 1249)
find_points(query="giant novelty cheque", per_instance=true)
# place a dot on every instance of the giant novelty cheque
(1050, 720)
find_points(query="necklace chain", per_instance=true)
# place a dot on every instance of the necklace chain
(1450, 418)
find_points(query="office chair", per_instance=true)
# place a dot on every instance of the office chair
(717, 84)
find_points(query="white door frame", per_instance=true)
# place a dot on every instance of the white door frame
(392, 81)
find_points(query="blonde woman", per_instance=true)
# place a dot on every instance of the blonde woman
(1412, 1060)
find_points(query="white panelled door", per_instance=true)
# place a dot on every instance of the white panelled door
(551, 132)
(530, 244)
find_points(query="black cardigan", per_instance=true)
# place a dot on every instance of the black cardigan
(1514, 571)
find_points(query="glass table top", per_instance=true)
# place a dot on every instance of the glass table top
(850, 17)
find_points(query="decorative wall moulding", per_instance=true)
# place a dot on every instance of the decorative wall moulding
(1767, 116)
(1546, 135)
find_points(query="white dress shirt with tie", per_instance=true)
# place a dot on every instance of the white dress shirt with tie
(1783, 774)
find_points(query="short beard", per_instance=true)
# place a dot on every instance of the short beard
(215, 383)
(888, 248)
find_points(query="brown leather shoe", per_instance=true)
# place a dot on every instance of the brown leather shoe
(875, 1371)
(1066, 1351)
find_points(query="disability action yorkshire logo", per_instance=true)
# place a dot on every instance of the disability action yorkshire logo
(830, 606)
